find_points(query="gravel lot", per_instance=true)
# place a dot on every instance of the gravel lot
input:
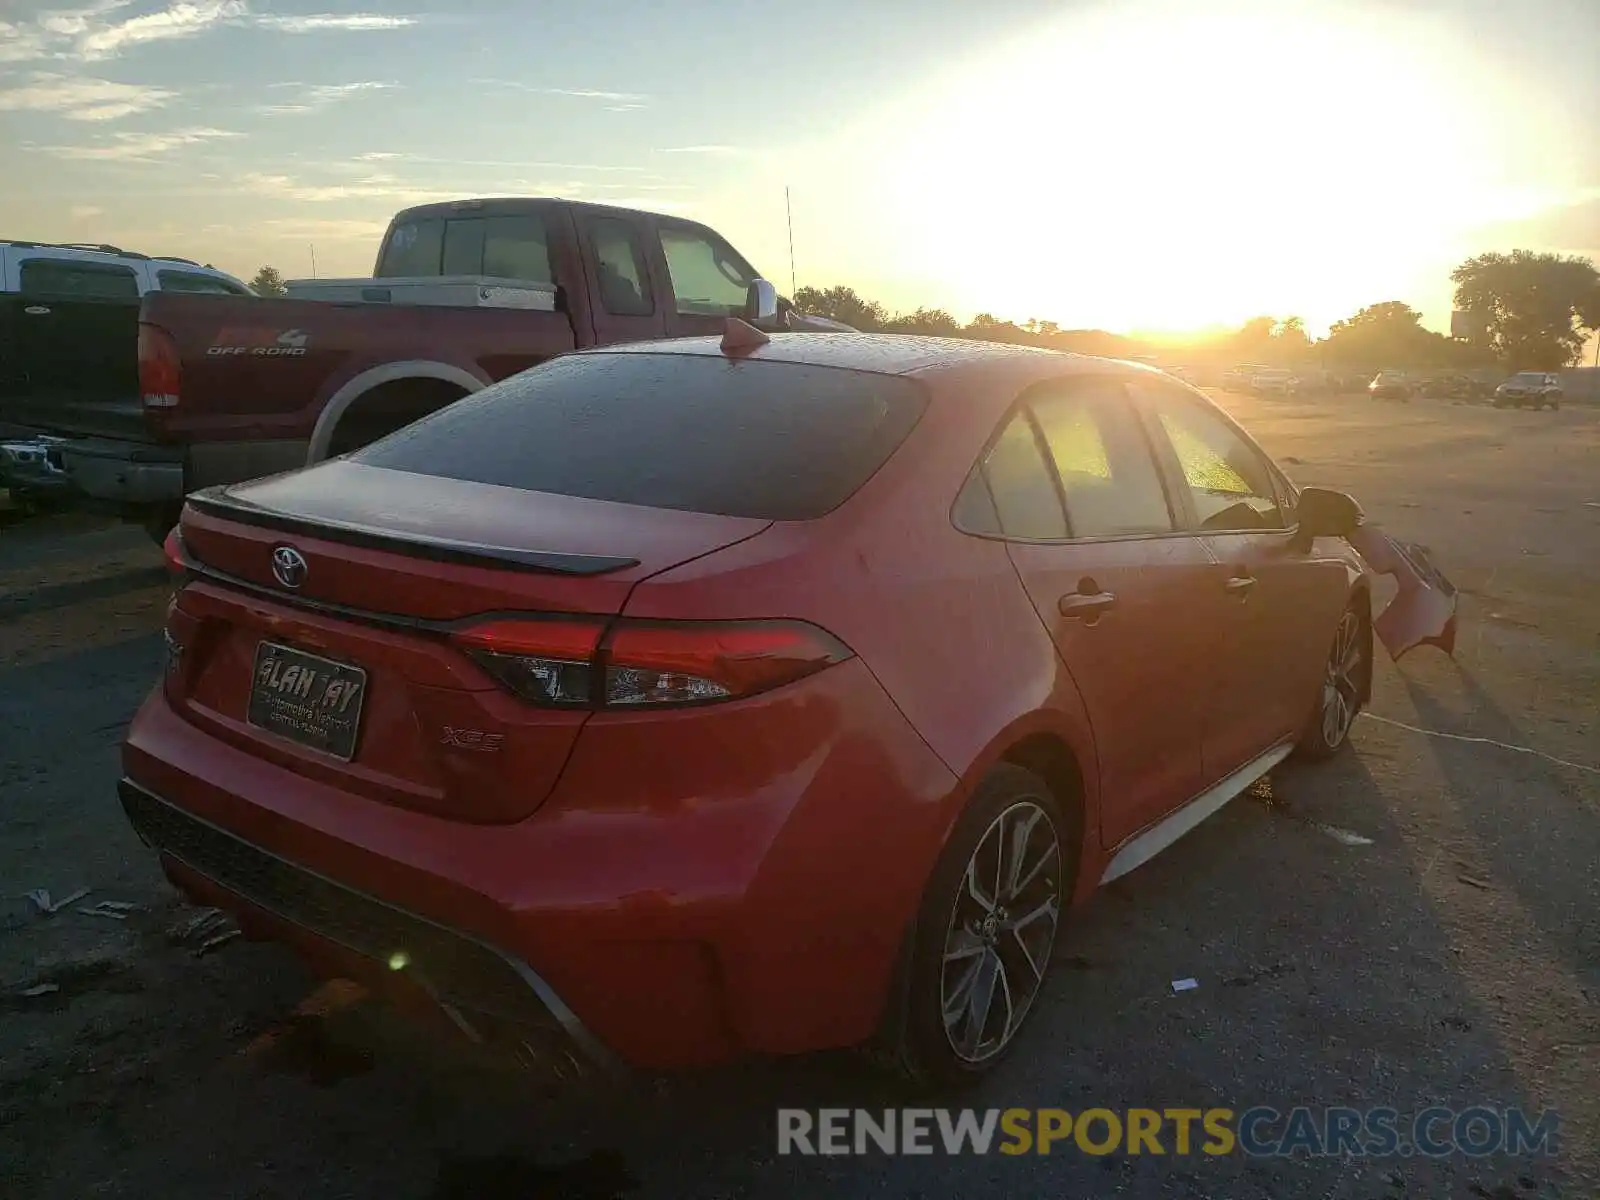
(1455, 960)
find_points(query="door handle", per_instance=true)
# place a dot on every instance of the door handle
(1079, 604)
(1240, 585)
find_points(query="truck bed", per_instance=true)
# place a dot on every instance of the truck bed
(255, 368)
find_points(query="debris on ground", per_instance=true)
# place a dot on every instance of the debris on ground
(1275, 971)
(47, 907)
(1474, 881)
(40, 989)
(1185, 985)
(1344, 836)
(204, 931)
(217, 941)
(116, 910)
(1261, 790)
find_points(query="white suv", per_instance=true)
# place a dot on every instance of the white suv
(105, 272)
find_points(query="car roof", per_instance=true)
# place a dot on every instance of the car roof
(890, 354)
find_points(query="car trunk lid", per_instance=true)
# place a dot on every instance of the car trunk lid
(337, 661)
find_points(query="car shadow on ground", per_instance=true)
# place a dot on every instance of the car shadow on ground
(1535, 831)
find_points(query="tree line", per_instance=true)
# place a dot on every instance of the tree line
(1528, 311)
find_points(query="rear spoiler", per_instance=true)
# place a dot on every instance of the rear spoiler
(215, 502)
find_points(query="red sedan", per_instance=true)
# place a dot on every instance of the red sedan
(676, 701)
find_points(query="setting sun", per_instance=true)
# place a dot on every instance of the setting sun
(1160, 169)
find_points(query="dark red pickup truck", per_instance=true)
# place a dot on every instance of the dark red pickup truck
(464, 294)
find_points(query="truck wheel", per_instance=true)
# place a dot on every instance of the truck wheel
(158, 522)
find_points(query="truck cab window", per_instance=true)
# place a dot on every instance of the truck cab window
(504, 247)
(708, 278)
(413, 249)
(619, 262)
(463, 248)
(516, 248)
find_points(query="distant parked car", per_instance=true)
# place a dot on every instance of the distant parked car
(1312, 382)
(1529, 389)
(1239, 378)
(1392, 385)
(1271, 381)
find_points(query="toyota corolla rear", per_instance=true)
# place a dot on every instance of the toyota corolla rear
(410, 722)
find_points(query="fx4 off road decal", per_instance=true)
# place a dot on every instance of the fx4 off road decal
(260, 343)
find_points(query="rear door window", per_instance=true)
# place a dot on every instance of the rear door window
(1108, 474)
(619, 258)
(778, 441)
(66, 279)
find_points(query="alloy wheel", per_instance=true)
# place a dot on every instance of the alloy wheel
(1001, 933)
(1341, 686)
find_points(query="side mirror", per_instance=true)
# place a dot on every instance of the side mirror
(1323, 512)
(761, 302)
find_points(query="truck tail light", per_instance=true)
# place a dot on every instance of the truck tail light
(583, 662)
(160, 372)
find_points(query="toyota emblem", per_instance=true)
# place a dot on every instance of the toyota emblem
(289, 567)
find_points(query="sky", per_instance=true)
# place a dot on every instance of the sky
(1138, 165)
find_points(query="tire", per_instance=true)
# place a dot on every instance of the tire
(958, 923)
(158, 522)
(1346, 683)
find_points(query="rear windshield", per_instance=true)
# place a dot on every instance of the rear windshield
(778, 441)
(505, 247)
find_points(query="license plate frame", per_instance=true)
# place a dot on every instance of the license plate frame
(305, 714)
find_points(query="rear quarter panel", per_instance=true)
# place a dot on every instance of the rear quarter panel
(265, 368)
(939, 617)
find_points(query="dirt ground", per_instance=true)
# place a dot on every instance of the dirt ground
(1454, 960)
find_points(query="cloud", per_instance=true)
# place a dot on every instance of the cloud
(84, 211)
(92, 33)
(520, 164)
(81, 99)
(312, 228)
(320, 22)
(614, 101)
(369, 187)
(312, 97)
(697, 150)
(183, 20)
(138, 147)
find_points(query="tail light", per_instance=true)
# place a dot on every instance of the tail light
(175, 556)
(581, 662)
(160, 372)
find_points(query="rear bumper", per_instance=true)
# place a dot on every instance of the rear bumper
(142, 474)
(686, 895)
(451, 968)
(127, 473)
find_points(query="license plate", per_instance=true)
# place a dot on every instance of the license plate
(307, 699)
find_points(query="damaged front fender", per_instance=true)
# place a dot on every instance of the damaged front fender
(1423, 611)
